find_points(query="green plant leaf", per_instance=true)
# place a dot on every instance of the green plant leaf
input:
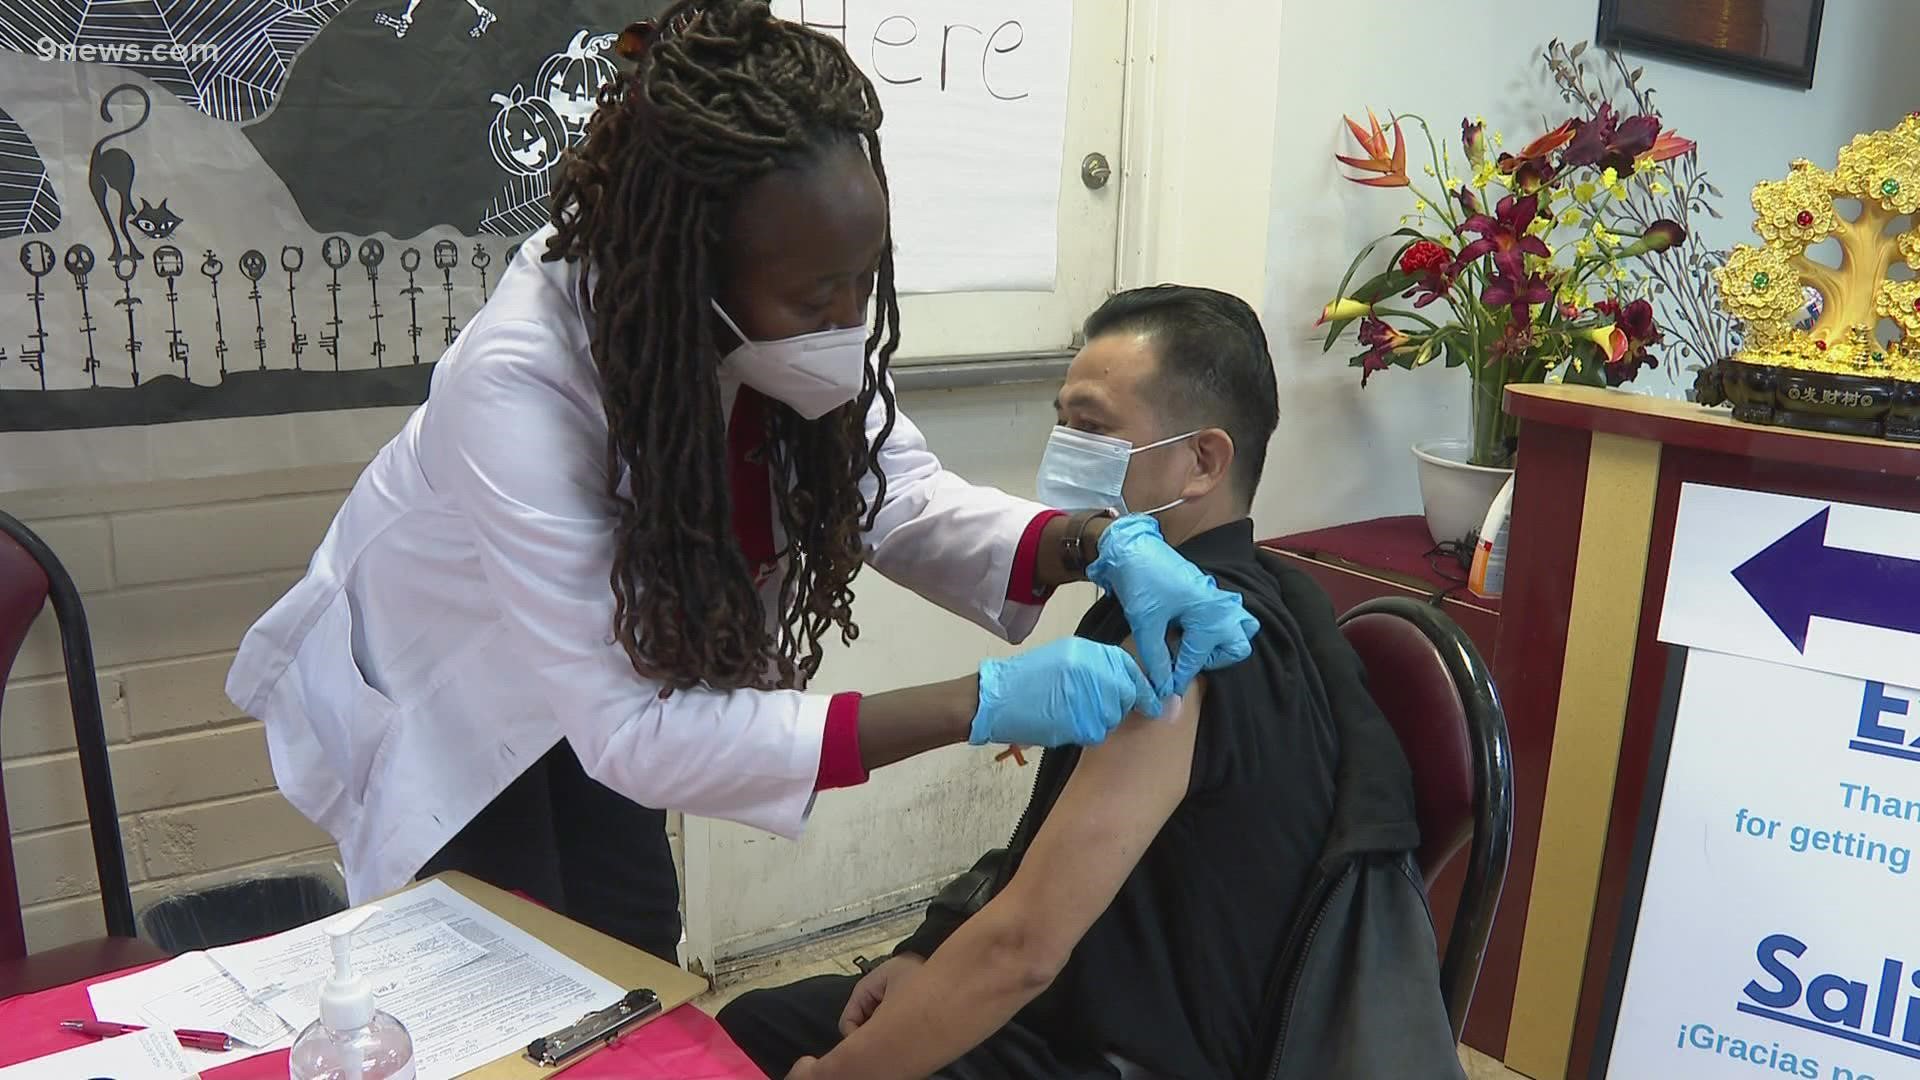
(1413, 235)
(1375, 289)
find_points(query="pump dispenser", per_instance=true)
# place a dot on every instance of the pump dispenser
(353, 1039)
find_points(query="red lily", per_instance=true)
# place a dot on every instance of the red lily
(1381, 340)
(1635, 322)
(1518, 293)
(1669, 146)
(1392, 166)
(1505, 234)
(1535, 152)
(1608, 142)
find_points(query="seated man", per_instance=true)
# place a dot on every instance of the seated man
(1155, 883)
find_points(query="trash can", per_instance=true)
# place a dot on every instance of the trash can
(240, 910)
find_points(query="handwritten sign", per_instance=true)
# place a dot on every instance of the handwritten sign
(975, 93)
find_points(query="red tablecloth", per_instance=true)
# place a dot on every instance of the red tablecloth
(685, 1044)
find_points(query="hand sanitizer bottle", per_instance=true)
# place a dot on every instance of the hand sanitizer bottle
(353, 1039)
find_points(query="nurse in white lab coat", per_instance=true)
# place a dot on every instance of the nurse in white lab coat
(593, 572)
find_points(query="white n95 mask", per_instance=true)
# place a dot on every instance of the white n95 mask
(1084, 471)
(814, 374)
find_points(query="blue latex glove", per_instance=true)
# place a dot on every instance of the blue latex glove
(1160, 591)
(1072, 691)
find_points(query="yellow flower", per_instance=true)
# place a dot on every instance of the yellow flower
(1603, 236)
(1419, 206)
(1584, 191)
(1583, 247)
(1610, 180)
(1485, 173)
(1570, 216)
(1657, 188)
(1498, 140)
(1428, 169)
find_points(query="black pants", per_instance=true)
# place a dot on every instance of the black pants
(578, 847)
(778, 1027)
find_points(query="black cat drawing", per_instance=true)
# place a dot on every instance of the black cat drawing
(110, 172)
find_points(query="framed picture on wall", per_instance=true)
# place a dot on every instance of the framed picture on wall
(1774, 40)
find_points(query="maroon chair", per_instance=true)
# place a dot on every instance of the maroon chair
(1437, 694)
(30, 577)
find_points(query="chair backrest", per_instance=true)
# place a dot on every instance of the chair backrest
(1437, 694)
(30, 577)
(23, 593)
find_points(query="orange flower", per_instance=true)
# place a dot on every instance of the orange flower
(1536, 152)
(1668, 146)
(1392, 166)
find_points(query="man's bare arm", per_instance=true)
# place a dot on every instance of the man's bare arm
(1120, 795)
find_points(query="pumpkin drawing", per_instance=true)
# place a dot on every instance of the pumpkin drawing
(570, 81)
(527, 136)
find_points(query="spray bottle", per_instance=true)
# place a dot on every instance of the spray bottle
(353, 1039)
(1488, 577)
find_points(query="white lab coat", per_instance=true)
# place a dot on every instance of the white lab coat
(456, 622)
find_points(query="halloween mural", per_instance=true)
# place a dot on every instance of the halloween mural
(260, 207)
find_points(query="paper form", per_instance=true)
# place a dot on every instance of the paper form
(143, 1055)
(409, 939)
(463, 1017)
(191, 991)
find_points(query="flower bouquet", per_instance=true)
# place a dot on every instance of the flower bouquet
(1531, 253)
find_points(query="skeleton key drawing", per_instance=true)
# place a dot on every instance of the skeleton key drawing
(336, 253)
(371, 253)
(446, 256)
(292, 258)
(170, 263)
(482, 258)
(36, 258)
(210, 268)
(79, 263)
(253, 264)
(124, 269)
(410, 262)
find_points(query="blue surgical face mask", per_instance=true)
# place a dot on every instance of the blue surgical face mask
(1084, 471)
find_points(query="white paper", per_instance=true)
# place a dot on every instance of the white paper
(408, 941)
(191, 991)
(142, 1055)
(510, 989)
(1775, 935)
(975, 94)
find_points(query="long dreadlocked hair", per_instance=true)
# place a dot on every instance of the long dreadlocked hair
(724, 93)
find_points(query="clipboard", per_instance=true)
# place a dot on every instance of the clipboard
(611, 959)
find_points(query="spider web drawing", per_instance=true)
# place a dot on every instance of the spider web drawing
(520, 208)
(27, 200)
(239, 51)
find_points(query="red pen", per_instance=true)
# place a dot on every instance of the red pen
(215, 1041)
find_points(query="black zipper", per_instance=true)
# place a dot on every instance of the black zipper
(1297, 957)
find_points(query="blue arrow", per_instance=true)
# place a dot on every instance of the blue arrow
(1798, 577)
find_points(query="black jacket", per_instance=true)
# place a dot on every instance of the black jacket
(1355, 993)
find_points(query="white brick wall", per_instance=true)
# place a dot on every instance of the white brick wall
(172, 575)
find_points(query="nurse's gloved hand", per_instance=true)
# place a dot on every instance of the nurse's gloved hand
(1070, 692)
(1161, 591)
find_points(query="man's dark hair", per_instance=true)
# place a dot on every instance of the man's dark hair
(723, 94)
(1215, 370)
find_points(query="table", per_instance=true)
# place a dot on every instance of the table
(1391, 556)
(685, 1044)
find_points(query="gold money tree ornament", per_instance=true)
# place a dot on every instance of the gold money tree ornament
(1838, 374)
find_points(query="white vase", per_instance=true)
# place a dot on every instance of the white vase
(1456, 495)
